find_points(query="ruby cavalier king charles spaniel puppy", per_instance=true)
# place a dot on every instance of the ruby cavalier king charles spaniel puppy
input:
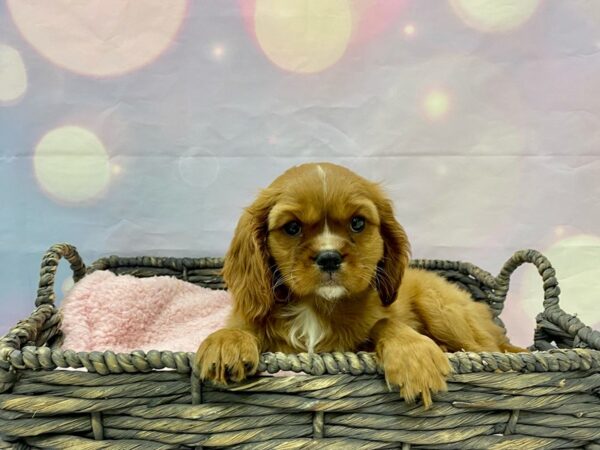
(318, 263)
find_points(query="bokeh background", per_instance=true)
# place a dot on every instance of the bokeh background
(131, 127)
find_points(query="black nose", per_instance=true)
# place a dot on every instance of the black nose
(329, 260)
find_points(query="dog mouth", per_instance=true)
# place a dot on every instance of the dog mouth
(331, 291)
(329, 278)
(330, 287)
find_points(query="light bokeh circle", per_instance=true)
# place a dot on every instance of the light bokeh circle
(494, 16)
(409, 30)
(436, 104)
(71, 165)
(13, 75)
(99, 37)
(303, 36)
(576, 260)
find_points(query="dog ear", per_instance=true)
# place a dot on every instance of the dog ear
(396, 254)
(246, 269)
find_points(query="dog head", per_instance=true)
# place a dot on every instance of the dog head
(318, 230)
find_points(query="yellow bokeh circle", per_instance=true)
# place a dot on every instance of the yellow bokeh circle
(494, 16)
(99, 37)
(303, 36)
(71, 165)
(436, 104)
(13, 76)
(409, 30)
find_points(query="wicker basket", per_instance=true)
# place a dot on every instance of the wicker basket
(546, 399)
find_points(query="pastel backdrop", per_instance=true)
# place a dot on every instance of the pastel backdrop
(134, 128)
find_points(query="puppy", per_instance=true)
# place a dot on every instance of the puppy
(318, 263)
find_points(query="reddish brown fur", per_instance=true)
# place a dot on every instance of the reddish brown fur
(406, 316)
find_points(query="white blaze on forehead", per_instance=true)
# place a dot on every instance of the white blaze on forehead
(323, 177)
(329, 241)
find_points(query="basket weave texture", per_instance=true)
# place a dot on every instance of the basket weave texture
(549, 398)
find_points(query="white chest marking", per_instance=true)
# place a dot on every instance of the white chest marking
(306, 330)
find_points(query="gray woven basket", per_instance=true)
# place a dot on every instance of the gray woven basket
(545, 399)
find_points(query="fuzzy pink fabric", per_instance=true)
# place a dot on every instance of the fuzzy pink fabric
(124, 313)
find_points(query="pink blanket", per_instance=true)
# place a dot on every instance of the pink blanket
(124, 313)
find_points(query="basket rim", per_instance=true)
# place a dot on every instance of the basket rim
(167, 262)
(334, 363)
(17, 353)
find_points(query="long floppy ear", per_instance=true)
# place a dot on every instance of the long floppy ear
(246, 268)
(396, 254)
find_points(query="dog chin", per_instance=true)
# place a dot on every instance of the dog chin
(331, 292)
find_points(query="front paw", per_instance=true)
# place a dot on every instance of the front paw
(417, 368)
(227, 355)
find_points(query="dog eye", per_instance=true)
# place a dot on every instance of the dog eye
(357, 224)
(292, 228)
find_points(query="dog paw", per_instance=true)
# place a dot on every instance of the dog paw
(418, 368)
(227, 355)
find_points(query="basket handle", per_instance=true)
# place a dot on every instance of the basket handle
(45, 293)
(545, 269)
(567, 323)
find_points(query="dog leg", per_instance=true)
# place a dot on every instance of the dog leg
(230, 354)
(458, 323)
(410, 360)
